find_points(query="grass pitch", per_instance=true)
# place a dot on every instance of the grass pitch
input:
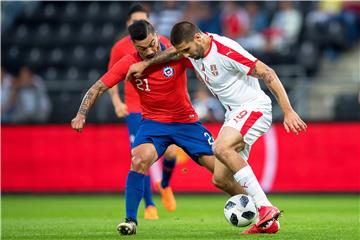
(197, 217)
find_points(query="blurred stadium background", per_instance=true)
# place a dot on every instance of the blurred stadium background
(67, 44)
(52, 51)
(61, 48)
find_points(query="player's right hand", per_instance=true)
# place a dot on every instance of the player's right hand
(121, 110)
(136, 70)
(78, 122)
(292, 122)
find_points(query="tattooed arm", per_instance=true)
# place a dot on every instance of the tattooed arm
(291, 119)
(169, 54)
(136, 70)
(89, 99)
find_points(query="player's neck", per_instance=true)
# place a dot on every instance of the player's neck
(207, 42)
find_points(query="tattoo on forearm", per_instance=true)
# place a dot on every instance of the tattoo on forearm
(86, 102)
(267, 75)
(273, 83)
(165, 56)
(90, 97)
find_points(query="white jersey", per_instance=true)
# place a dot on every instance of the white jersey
(225, 69)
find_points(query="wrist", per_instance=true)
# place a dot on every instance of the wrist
(287, 110)
(147, 63)
(81, 115)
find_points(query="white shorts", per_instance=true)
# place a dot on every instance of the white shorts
(251, 123)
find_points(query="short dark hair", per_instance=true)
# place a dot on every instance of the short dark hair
(183, 31)
(136, 8)
(139, 30)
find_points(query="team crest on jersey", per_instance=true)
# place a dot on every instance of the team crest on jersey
(168, 71)
(214, 70)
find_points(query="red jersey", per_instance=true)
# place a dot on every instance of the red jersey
(162, 90)
(120, 49)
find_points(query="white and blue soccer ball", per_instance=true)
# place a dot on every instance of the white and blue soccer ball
(240, 210)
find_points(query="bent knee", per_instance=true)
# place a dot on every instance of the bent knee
(170, 154)
(140, 163)
(220, 149)
(240, 146)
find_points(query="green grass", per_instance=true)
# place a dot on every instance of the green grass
(197, 217)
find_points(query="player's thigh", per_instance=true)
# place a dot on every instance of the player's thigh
(144, 154)
(170, 153)
(229, 137)
(207, 161)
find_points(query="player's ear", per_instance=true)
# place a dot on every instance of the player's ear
(129, 22)
(197, 36)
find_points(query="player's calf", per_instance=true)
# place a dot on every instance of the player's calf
(227, 185)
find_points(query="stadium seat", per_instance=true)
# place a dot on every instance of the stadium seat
(71, 41)
(63, 98)
(347, 107)
(51, 74)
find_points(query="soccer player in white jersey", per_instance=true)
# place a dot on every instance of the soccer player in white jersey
(231, 74)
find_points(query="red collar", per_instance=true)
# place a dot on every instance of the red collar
(208, 51)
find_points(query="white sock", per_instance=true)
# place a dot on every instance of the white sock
(247, 179)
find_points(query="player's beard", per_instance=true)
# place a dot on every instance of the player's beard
(144, 57)
(154, 54)
(200, 52)
(150, 56)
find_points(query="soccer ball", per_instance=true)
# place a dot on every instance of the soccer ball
(240, 210)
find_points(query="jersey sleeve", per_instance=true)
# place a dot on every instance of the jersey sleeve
(165, 41)
(235, 57)
(115, 55)
(118, 71)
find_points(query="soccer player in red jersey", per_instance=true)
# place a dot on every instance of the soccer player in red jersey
(168, 118)
(132, 112)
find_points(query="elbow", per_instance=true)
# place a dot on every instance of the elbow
(100, 87)
(272, 71)
(101, 91)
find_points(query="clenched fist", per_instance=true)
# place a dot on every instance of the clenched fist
(78, 122)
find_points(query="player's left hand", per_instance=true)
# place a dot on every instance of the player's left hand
(293, 122)
(121, 110)
(136, 70)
